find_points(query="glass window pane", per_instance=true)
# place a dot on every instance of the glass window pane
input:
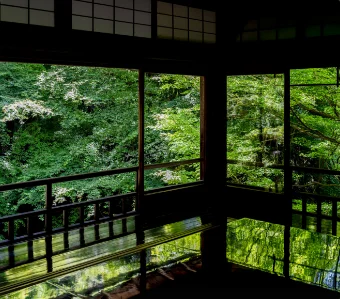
(313, 31)
(81, 23)
(195, 36)
(315, 127)
(103, 12)
(313, 76)
(163, 32)
(124, 3)
(164, 7)
(181, 11)
(209, 38)
(255, 131)
(209, 16)
(42, 4)
(144, 5)
(331, 29)
(14, 14)
(172, 127)
(195, 13)
(81, 8)
(268, 35)
(125, 15)
(124, 28)
(181, 34)
(42, 18)
(164, 20)
(287, 33)
(142, 18)
(20, 3)
(209, 27)
(181, 23)
(249, 36)
(142, 31)
(104, 26)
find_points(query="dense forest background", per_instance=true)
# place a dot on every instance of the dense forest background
(255, 132)
(62, 120)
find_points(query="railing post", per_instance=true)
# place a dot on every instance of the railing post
(111, 231)
(304, 212)
(124, 214)
(48, 226)
(81, 224)
(96, 218)
(30, 242)
(318, 215)
(334, 217)
(287, 175)
(11, 232)
(140, 183)
(66, 224)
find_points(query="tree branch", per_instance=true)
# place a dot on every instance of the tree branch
(315, 133)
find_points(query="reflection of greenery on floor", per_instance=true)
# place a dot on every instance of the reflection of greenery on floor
(314, 257)
(110, 275)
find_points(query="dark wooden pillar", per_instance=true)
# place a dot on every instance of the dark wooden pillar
(287, 175)
(213, 134)
(63, 15)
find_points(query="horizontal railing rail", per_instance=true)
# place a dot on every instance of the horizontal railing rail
(66, 207)
(316, 196)
(64, 179)
(315, 170)
(172, 164)
(254, 164)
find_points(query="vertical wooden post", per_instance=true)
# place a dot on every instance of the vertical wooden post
(111, 232)
(81, 229)
(96, 218)
(124, 214)
(30, 241)
(66, 224)
(318, 215)
(213, 149)
(154, 19)
(334, 217)
(202, 128)
(287, 174)
(48, 226)
(63, 15)
(304, 213)
(140, 176)
(11, 232)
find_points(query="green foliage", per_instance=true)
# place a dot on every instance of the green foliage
(255, 130)
(64, 120)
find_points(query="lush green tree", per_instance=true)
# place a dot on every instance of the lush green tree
(63, 120)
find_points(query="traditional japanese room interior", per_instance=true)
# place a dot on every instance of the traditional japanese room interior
(153, 149)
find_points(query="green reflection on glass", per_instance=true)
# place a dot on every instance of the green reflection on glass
(314, 257)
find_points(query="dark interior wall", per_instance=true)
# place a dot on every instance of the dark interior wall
(242, 202)
(174, 205)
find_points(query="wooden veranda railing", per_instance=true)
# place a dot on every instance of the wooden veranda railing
(303, 196)
(64, 211)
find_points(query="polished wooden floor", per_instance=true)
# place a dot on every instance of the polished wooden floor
(231, 281)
